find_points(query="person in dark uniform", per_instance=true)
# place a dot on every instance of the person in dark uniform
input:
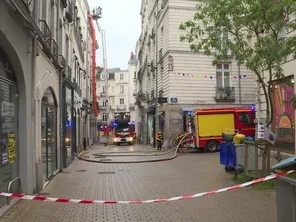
(159, 139)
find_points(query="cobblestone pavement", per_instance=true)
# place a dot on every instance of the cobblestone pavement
(190, 173)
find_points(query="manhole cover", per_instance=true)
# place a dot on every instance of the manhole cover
(106, 172)
(65, 172)
(80, 170)
(102, 160)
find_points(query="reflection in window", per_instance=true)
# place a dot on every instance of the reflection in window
(68, 136)
(244, 118)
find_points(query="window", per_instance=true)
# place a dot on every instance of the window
(121, 89)
(111, 76)
(135, 75)
(104, 89)
(223, 75)
(244, 118)
(121, 76)
(104, 116)
(121, 101)
(104, 103)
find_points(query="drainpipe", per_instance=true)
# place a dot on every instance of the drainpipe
(61, 107)
(34, 110)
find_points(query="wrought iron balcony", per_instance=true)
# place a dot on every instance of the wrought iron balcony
(62, 61)
(132, 107)
(46, 34)
(70, 13)
(64, 3)
(160, 55)
(68, 72)
(226, 94)
(121, 107)
(54, 49)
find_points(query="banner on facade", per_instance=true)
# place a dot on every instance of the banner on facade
(11, 147)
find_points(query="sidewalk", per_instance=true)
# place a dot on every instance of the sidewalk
(187, 174)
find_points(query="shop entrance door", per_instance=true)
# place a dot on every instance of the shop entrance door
(49, 136)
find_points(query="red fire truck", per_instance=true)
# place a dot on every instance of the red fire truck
(208, 125)
(124, 132)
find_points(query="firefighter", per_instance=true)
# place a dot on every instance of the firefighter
(159, 139)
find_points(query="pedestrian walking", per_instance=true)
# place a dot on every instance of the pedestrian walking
(159, 139)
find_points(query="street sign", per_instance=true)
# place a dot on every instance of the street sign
(174, 100)
(162, 100)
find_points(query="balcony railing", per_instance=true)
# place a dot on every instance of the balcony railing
(226, 94)
(64, 3)
(160, 55)
(46, 34)
(121, 107)
(62, 61)
(54, 49)
(132, 107)
(70, 13)
(68, 72)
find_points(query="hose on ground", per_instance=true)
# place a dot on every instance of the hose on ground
(175, 150)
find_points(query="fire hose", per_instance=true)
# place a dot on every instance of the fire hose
(137, 153)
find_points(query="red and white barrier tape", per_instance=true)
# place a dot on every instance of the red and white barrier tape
(65, 200)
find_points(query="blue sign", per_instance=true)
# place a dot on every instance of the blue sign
(174, 100)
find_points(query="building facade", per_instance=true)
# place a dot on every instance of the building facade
(121, 90)
(172, 79)
(45, 85)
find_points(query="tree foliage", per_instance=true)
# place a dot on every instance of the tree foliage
(255, 32)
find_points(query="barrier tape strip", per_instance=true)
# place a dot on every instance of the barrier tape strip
(65, 200)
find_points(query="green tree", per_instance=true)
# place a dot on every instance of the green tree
(253, 31)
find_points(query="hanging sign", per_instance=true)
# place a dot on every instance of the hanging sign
(162, 100)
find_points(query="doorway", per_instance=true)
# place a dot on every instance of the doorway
(49, 135)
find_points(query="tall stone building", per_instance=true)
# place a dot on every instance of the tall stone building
(45, 89)
(173, 80)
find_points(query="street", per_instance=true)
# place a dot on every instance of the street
(187, 174)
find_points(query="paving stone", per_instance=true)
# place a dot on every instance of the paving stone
(190, 173)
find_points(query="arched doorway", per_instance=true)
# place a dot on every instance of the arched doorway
(8, 124)
(49, 134)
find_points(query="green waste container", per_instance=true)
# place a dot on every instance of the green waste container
(286, 199)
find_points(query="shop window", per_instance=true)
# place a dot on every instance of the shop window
(49, 135)
(8, 126)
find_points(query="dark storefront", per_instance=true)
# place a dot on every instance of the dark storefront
(8, 125)
(69, 119)
(49, 135)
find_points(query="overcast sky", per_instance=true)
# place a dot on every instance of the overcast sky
(122, 23)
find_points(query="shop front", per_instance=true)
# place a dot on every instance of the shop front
(284, 115)
(69, 124)
(8, 125)
(49, 135)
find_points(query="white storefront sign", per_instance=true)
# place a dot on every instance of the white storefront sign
(7, 109)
